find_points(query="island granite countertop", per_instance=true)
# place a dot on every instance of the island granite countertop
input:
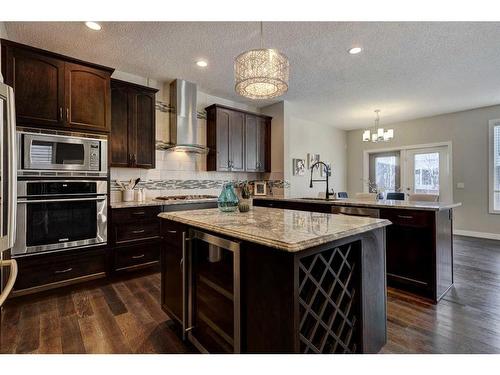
(282, 229)
(425, 206)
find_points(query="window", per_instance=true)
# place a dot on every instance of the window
(427, 173)
(384, 171)
(494, 166)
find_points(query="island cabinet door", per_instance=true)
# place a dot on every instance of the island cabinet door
(172, 264)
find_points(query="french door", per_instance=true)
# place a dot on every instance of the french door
(428, 172)
(411, 170)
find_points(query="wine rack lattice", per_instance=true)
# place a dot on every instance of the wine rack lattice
(329, 300)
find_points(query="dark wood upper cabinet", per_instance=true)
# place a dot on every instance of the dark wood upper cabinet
(88, 103)
(220, 148)
(38, 101)
(251, 139)
(56, 91)
(257, 134)
(119, 136)
(143, 112)
(132, 140)
(237, 140)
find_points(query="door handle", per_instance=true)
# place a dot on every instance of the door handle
(172, 231)
(138, 256)
(138, 231)
(67, 114)
(63, 271)
(60, 113)
(405, 217)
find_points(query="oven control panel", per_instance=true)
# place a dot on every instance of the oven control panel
(94, 156)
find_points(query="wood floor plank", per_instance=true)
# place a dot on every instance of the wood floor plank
(114, 302)
(50, 328)
(28, 338)
(81, 301)
(93, 336)
(71, 337)
(9, 328)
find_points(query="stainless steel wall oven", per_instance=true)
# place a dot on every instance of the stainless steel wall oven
(60, 214)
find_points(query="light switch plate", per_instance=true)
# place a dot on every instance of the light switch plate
(460, 185)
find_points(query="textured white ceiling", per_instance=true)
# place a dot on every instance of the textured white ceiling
(408, 70)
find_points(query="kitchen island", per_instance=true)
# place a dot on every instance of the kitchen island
(275, 280)
(419, 241)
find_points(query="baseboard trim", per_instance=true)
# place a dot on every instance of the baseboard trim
(470, 233)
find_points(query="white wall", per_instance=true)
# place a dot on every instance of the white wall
(468, 132)
(307, 137)
(3, 34)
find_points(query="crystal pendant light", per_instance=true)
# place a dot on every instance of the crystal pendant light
(261, 73)
(379, 134)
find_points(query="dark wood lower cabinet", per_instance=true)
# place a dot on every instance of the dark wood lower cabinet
(172, 282)
(134, 237)
(419, 245)
(50, 270)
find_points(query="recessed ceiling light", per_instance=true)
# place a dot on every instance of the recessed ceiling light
(355, 50)
(93, 25)
(202, 63)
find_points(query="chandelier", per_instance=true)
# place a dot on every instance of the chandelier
(261, 73)
(379, 134)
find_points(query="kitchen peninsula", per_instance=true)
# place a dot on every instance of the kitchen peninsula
(275, 281)
(419, 241)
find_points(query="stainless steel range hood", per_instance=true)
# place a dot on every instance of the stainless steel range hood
(183, 118)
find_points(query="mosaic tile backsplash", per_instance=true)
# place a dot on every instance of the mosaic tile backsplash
(155, 188)
(195, 184)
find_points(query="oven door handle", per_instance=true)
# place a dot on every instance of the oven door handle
(61, 200)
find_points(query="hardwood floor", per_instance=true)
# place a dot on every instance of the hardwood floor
(124, 315)
(121, 316)
(466, 320)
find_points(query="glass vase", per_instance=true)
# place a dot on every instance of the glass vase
(228, 200)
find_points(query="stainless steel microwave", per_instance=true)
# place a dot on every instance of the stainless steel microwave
(65, 152)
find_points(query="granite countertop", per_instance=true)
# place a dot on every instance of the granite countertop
(426, 206)
(159, 202)
(286, 230)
